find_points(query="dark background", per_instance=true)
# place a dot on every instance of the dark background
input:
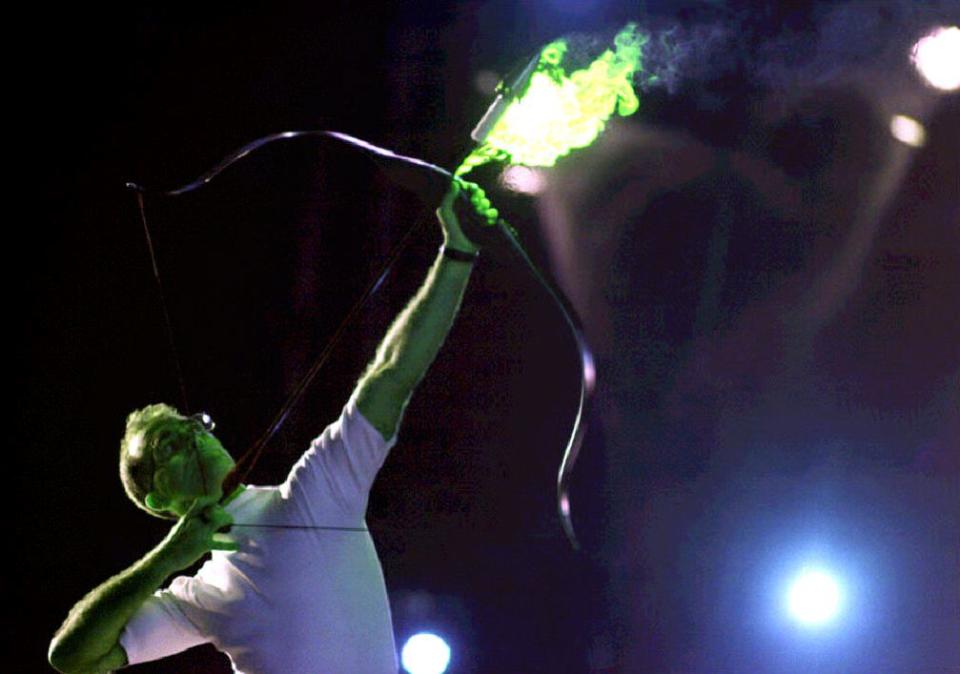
(770, 284)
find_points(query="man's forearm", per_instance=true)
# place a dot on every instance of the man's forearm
(411, 344)
(417, 334)
(88, 640)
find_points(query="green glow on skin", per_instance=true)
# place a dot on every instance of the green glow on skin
(560, 112)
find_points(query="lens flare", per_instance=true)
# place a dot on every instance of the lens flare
(425, 653)
(559, 112)
(814, 597)
(523, 180)
(908, 130)
(937, 58)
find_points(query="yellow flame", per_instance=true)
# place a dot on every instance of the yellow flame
(559, 113)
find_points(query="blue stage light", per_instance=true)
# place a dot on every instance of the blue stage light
(814, 597)
(425, 653)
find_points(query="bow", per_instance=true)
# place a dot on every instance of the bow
(429, 182)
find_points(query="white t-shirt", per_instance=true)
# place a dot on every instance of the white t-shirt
(289, 600)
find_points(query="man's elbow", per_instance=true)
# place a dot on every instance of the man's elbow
(60, 657)
(69, 660)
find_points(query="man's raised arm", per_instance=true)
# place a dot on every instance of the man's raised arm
(417, 334)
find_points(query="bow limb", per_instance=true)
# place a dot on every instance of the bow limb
(577, 434)
(587, 383)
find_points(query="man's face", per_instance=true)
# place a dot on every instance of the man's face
(190, 467)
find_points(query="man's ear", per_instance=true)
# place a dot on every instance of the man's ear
(156, 502)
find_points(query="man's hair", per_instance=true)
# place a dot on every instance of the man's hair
(147, 429)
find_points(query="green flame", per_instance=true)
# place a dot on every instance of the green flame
(560, 112)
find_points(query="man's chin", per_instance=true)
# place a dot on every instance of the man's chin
(214, 493)
(216, 484)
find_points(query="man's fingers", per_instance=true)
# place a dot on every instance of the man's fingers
(481, 204)
(195, 509)
(465, 213)
(217, 517)
(223, 542)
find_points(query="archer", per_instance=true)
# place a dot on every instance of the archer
(272, 599)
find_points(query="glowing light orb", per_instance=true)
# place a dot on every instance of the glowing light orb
(814, 597)
(937, 58)
(908, 130)
(425, 653)
(523, 180)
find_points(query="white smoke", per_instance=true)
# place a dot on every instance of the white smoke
(837, 37)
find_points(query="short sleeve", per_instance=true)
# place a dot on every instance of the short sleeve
(334, 476)
(158, 629)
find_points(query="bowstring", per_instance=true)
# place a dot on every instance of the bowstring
(249, 459)
(168, 324)
(299, 527)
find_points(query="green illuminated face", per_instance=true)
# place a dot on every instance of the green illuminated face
(189, 470)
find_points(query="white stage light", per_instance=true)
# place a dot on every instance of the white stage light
(937, 58)
(908, 130)
(425, 653)
(814, 597)
(524, 180)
